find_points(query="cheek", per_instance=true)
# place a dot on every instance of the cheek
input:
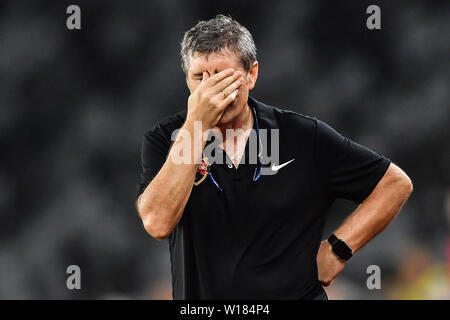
(243, 87)
(193, 85)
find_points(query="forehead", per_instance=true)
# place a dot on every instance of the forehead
(213, 62)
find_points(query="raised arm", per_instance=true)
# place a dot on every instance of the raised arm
(162, 203)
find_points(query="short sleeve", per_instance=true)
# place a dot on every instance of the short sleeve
(155, 148)
(348, 170)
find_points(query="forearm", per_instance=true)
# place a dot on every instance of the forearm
(162, 203)
(377, 210)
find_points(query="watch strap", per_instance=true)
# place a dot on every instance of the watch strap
(333, 240)
(340, 248)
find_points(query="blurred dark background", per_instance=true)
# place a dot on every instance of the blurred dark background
(75, 104)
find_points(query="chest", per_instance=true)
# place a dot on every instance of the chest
(291, 187)
(234, 145)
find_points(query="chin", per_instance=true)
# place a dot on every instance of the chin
(231, 112)
(224, 120)
(228, 115)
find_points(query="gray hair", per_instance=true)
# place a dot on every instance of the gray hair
(219, 34)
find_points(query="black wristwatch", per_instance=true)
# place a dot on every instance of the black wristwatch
(340, 248)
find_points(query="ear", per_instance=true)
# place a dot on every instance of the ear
(252, 75)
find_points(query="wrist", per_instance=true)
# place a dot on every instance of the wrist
(329, 251)
(192, 120)
(195, 135)
(339, 248)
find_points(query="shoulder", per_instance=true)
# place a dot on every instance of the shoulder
(290, 117)
(285, 119)
(166, 126)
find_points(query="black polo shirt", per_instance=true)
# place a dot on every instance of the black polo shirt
(259, 240)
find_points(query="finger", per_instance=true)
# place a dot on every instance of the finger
(213, 80)
(233, 86)
(229, 99)
(205, 76)
(220, 86)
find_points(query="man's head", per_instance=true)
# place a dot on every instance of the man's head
(215, 45)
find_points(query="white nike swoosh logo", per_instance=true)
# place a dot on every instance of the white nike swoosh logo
(276, 168)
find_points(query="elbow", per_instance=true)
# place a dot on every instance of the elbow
(158, 234)
(408, 185)
(156, 219)
(400, 182)
(157, 230)
(405, 186)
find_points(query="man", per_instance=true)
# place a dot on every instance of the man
(238, 234)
